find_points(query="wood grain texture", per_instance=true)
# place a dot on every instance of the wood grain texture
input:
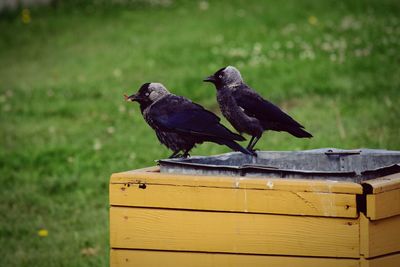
(163, 229)
(234, 199)
(383, 205)
(385, 183)
(143, 258)
(384, 261)
(379, 237)
(297, 185)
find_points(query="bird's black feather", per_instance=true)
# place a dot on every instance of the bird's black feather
(181, 115)
(262, 109)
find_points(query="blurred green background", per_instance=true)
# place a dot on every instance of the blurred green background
(333, 65)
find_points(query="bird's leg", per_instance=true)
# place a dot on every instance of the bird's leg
(254, 143)
(251, 141)
(186, 154)
(175, 154)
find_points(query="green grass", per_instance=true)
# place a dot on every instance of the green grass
(65, 128)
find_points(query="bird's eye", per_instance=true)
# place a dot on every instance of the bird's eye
(147, 94)
(220, 76)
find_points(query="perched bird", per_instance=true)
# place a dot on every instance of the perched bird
(247, 111)
(179, 123)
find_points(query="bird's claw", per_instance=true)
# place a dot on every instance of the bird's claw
(179, 155)
(253, 152)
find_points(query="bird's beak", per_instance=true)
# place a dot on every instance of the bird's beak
(132, 98)
(210, 79)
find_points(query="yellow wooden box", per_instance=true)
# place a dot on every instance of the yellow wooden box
(159, 219)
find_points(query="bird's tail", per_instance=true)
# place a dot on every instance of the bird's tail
(299, 132)
(235, 146)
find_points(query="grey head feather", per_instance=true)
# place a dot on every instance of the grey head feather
(156, 91)
(232, 77)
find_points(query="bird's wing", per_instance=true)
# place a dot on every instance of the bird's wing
(255, 106)
(179, 114)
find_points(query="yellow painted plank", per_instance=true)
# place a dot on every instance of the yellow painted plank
(383, 205)
(266, 183)
(392, 260)
(385, 183)
(364, 235)
(233, 199)
(144, 258)
(379, 237)
(164, 229)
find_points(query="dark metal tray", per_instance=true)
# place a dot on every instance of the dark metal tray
(325, 163)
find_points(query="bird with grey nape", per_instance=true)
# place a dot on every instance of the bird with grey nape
(179, 123)
(247, 111)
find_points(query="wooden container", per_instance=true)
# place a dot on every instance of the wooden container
(159, 219)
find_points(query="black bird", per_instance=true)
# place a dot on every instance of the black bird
(247, 111)
(179, 123)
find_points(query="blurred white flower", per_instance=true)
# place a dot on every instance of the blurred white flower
(237, 52)
(289, 44)
(363, 52)
(241, 13)
(254, 61)
(9, 93)
(272, 54)
(50, 93)
(307, 54)
(117, 73)
(163, 3)
(203, 5)
(387, 101)
(121, 108)
(218, 39)
(280, 55)
(104, 117)
(81, 78)
(7, 108)
(150, 63)
(357, 40)
(326, 46)
(110, 130)
(257, 48)
(97, 145)
(276, 45)
(288, 29)
(328, 37)
(215, 50)
(52, 129)
(350, 23)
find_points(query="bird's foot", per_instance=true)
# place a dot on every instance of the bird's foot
(253, 152)
(186, 155)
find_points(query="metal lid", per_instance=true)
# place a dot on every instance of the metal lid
(325, 163)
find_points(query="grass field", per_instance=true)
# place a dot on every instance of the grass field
(333, 65)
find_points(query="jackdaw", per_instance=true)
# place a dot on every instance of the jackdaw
(247, 111)
(179, 123)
